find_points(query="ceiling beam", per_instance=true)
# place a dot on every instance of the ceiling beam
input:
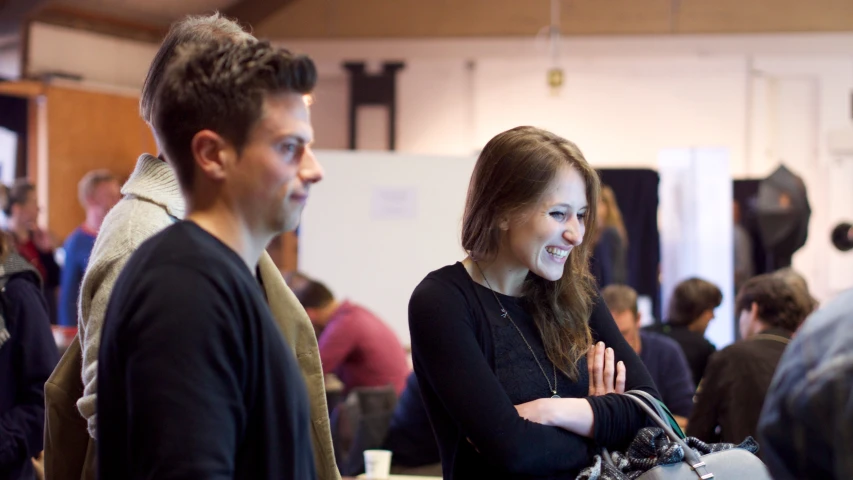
(252, 12)
(486, 18)
(98, 23)
(13, 14)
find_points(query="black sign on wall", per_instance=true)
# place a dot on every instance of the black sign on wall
(370, 89)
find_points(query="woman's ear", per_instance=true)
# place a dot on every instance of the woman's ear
(504, 223)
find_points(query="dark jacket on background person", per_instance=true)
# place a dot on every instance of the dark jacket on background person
(695, 346)
(27, 356)
(410, 436)
(609, 262)
(668, 367)
(736, 382)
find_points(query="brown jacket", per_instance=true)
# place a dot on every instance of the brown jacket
(70, 451)
(730, 397)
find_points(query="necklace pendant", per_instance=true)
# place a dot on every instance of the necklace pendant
(555, 396)
(504, 314)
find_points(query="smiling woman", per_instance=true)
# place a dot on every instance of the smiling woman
(515, 322)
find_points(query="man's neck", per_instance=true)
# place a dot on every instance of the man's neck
(697, 327)
(93, 223)
(229, 229)
(637, 343)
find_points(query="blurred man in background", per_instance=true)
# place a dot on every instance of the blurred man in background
(662, 355)
(98, 191)
(355, 344)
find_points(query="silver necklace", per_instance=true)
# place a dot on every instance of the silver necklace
(505, 314)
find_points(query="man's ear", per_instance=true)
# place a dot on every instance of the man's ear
(211, 154)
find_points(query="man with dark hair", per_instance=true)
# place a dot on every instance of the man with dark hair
(662, 356)
(354, 343)
(691, 309)
(98, 192)
(195, 380)
(730, 397)
(153, 201)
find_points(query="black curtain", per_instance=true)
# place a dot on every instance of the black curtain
(746, 195)
(637, 195)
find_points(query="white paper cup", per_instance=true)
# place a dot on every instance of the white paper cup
(377, 464)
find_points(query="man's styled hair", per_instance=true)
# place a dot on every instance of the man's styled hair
(620, 298)
(309, 292)
(221, 87)
(87, 185)
(690, 298)
(779, 304)
(202, 29)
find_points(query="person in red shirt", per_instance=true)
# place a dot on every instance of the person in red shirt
(355, 344)
(20, 204)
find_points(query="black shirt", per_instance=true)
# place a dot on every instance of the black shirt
(473, 367)
(695, 346)
(194, 378)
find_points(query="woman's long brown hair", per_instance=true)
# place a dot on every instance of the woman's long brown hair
(614, 215)
(513, 173)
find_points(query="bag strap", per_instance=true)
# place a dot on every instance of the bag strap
(661, 409)
(690, 456)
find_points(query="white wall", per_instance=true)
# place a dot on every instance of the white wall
(10, 61)
(379, 223)
(764, 98)
(99, 59)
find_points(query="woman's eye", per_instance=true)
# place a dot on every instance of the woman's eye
(581, 216)
(558, 215)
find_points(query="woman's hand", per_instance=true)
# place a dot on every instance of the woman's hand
(600, 363)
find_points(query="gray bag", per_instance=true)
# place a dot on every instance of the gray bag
(730, 464)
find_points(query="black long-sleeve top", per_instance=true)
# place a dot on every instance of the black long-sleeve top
(454, 357)
(26, 360)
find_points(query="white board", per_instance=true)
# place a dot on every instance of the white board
(695, 222)
(379, 222)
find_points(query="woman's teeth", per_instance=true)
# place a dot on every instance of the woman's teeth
(557, 252)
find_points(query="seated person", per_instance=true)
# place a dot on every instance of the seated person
(661, 355)
(730, 397)
(691, 309)
(354, 343)
(410, 436)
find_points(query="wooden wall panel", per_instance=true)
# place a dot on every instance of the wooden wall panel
(467, 18)
(88, 130)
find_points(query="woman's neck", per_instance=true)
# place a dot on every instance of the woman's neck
(500, 274)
